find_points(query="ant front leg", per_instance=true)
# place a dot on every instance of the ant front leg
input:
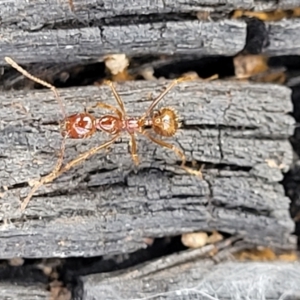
(116, 95)
(177, 151)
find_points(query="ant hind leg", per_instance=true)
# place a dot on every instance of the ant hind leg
(48, 178)
(177, 151)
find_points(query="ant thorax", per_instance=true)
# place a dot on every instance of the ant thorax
(131, 125)
(113, 124)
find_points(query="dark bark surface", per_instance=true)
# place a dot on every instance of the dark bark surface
(197, 38)
(33, 16)
(82, 44)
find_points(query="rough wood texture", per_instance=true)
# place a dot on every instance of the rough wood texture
(103, 207)
(29, 292)
(226, 37)
(201, 38)
(200, 279)
(32, 16)
(280, 34)
(28, 16)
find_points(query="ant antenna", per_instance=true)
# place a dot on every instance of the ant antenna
(168, 88)
(187, 77)
(37, 80)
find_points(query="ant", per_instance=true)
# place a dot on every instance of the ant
(164, 122)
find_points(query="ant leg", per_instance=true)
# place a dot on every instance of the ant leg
(134, 149)
(177, 151)
(37, 80)
(117, 96)
(86, 155)
(58, 170)
(211, 78)
(48, 178)
(106, 106)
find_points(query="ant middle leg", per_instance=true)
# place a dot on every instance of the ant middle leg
(116, 95)
(177, 151)
(106, 106)
(133, 146)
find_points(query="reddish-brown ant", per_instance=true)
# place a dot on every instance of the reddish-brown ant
(163, 122)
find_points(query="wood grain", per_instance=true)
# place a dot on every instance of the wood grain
(226, 37)
(18, 291)
(92, 43)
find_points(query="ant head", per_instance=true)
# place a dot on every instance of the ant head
(165, 121)
(78, 126)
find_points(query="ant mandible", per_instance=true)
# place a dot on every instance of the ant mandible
(163, 122)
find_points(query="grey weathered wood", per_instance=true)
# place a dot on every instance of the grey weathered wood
(32, 16)
(105, 208)
(273, 5)
(201, 279)
(186, 37)
(116, 219)
(283, 36)
(226, 37)
(18, 291)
